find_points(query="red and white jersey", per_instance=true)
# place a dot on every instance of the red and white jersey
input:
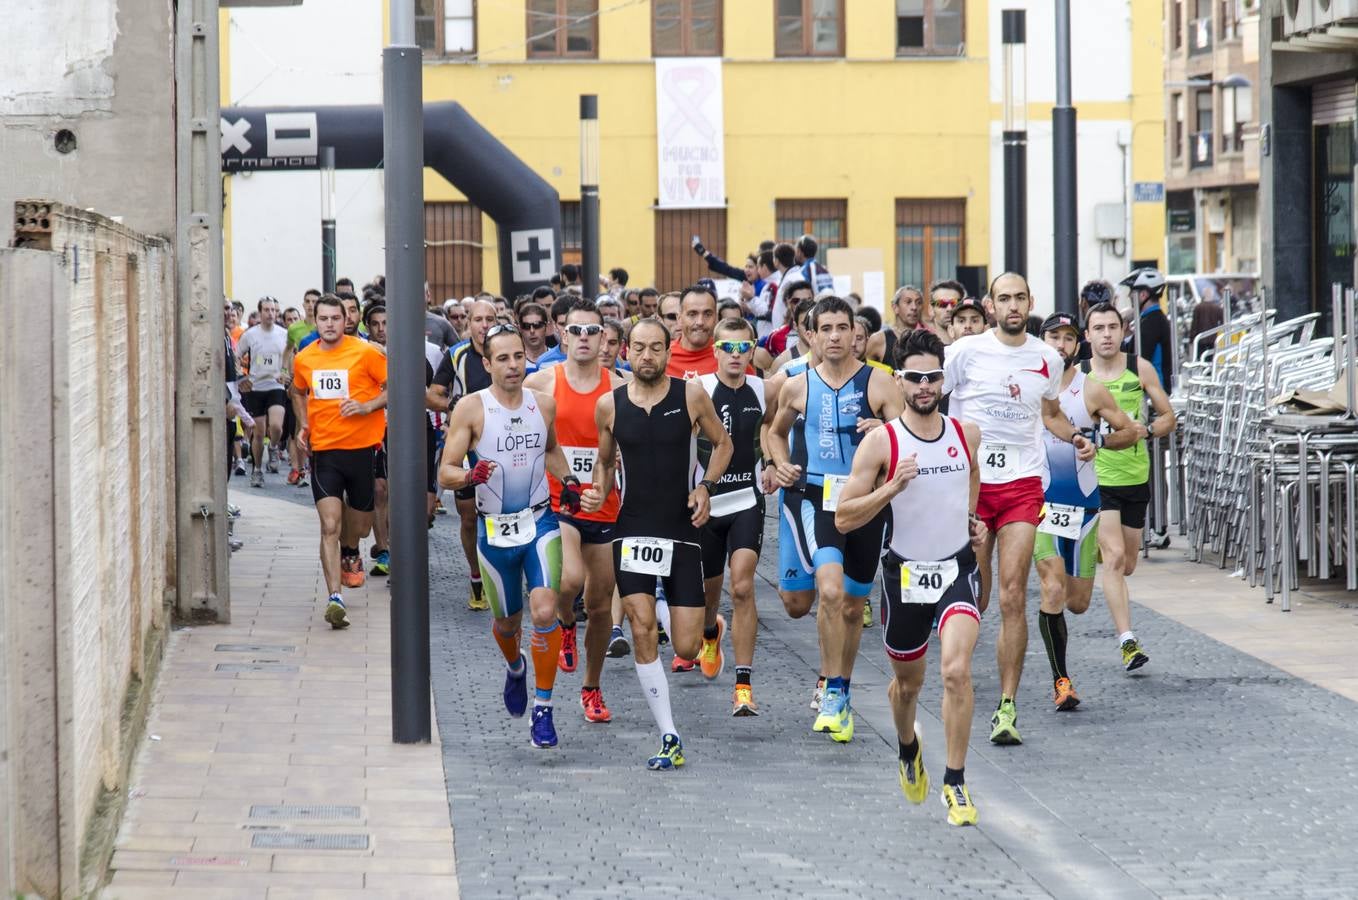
(1000, 389)
(929, 518)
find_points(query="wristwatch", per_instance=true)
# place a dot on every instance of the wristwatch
(709, 484)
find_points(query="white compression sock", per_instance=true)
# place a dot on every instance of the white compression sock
(662, 614)
(657, 691)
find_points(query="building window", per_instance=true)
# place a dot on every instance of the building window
(563, 28)
(1228, 19)
(676, 265)
(809, 28)
(928, 27)
(1178, 123)
(1200, 27)
(1237, 108)
(1202, 134)
(571, 242)
(824, 220)
(452, 249)
(686, 27)
(929, 240)
(1176, 25)
(446, 27)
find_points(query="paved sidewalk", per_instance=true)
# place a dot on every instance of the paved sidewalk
(277, 710)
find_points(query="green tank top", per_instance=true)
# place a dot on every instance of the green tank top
(1132, 465)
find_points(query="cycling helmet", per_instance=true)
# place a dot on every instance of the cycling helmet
(1147, 279)
(1097, 291)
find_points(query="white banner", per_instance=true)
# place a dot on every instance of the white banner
(690, 132)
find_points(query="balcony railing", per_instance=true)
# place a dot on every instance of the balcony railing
(1200, 150)
(1200, 36)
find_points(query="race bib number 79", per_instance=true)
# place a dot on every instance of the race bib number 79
(330, 384)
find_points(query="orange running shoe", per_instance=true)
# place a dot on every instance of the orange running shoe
(1066, 698)
(710, 657)
(683, 665)
(351, 572)
(294, 476)
(592, 702)
(742, 703)
(567, 659)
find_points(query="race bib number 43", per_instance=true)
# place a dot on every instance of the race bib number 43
(925, 582)
(999, 462)
(330, 384)
(647, 556)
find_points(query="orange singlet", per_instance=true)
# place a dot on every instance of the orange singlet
(579, 439)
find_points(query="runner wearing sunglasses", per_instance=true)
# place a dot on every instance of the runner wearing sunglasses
(944, 295)
(735, 532)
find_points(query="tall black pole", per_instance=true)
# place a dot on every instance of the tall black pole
(403, 160)
(328, 275)
(589, 194)
(1014, 39)
(1065, 239)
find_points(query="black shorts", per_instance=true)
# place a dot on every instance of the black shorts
(906, 626)
(719, 538)
(431, 447)
(591, 532)
(380, 461)
(1129, 500)
(465, 493)
(821, 543)
(346, 474)
(683, 586)
(289, 425)
(257, 403)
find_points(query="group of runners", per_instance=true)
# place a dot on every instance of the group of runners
(637, 493)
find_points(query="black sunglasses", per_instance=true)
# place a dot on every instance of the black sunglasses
(533, 326)
(915, 376)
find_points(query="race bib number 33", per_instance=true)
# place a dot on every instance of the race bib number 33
(330, 384)
(647, 556)
(1063, 521)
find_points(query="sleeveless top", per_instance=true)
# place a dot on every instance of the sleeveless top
(929, 518)
(1131, 465)
(516, 441)
(579, 439)
(1072, 482)
(829, 433)
(657, 451)
(741, 411)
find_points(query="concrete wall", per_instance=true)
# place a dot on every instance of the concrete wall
(86, 486)
(102, 69)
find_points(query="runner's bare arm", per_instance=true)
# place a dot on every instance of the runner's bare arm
(299, 398)
(867, 491)
(884, 395)
(605, 464)
(1150, 383)
(542, 381)
(1059, 425)
(436, 398)
(972, 435)
(793, 391)
(763, 360)
(772, 388)
(876, 348)
(1099, 403)
(354, 408)
(463, 429)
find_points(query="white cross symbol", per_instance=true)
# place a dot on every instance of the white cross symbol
(233, 135)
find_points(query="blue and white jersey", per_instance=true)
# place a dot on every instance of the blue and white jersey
(829, 433)
(1072, 482)
(516, 441)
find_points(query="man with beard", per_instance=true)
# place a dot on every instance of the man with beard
(921, 468)
(1007, 382)
(968, 318)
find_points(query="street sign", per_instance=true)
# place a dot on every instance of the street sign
(1148, 192)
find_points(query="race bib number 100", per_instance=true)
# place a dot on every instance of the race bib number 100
(925, 582)
(647, 556)
(330, 384)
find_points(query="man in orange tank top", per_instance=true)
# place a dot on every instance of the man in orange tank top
(586, 538)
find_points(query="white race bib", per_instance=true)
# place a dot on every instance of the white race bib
(999, 462)
(580, 460)
(1063, 521)
(267, 366)
(511, 529)
(830, 491)
(647, 556)
(330, 384)
(732, 502)
(925, 582)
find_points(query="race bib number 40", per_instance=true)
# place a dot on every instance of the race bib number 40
(647, 556)
(925, 582)
(1063, 521)
(831, 489)
(511, 529)
(999, 462)
(330, 384)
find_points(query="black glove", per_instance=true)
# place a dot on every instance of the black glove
(570, 494)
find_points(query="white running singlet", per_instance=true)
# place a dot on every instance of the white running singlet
(929, 518)
(1001, 389)
(265, 348)
(516, 441)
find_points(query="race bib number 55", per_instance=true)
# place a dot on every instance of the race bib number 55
(330, 384)
(647, 556)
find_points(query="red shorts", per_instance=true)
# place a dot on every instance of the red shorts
(1014, 501)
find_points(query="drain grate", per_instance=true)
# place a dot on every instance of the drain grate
(295, 841)
(296, 811)
(256, 667)
(255, 648)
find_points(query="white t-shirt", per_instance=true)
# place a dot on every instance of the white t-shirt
(1000, 389)
(265, 346)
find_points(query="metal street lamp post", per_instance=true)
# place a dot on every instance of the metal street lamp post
(1014, 40)
(1065, 240)
(589, 194)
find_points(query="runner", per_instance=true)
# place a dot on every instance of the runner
(921, 468)
(264, 390)
(841, 399)
(1067, 546)
(1007, 382)
(575, 387)
(463, 372)
(735, 531)
(1124, 475)
(692, 356)
(507, 434)
(339, 389)
(912, 313)
(375, 320)
(651, 421)
(533, 327)
(968, 317)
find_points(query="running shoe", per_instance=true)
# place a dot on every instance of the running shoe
(743, 703)
(592, 702)
(961, 811)
(710, 658)
(566, 661)
(617, 644)
(439, 508)
(336, 614)
(302, 477)
(272, 456)
(478, 601)
(516, 690)
(683, 665)
(1133, 657)
(1065, 697)
(351, 572)
(914, 779)
(1158, 540)
(867, 613)
(817, 694)
(661, 638)
(542, 730)
(833, 711)
(381, 563)
(671, 755)
(240, 467)
(845, 732)
(256, 478)
(1003, 730)
(294, 476)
